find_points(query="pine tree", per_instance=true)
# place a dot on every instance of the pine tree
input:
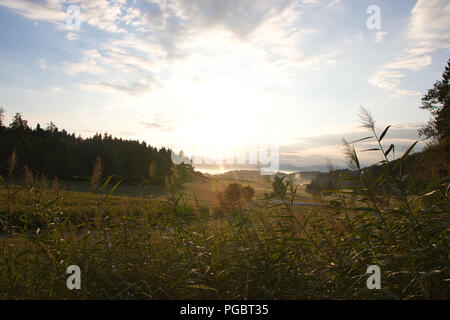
(2, 116)
(437, 102)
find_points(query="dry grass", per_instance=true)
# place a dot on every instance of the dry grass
(144, 248)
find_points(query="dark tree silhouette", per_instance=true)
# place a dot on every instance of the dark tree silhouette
(235, 196)
(2, 116)
(437, 102)
(56, 153)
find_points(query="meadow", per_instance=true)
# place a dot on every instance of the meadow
(173, 246)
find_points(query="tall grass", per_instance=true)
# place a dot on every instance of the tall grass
(138, 249)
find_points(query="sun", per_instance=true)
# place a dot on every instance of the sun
(220, 109)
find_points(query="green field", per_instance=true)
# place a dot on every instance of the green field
(180, 246)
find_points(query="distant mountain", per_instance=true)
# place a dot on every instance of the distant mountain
(286, 168)
(243, 174)
(302, 177)
(419, 169)
(292, 168)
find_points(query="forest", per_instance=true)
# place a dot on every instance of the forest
(57, 153)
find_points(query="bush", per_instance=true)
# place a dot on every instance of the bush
(248, 192)
(235, 196)
(313, 188)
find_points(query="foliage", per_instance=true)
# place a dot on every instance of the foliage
(248, 192)
(313, 188)
(437, 102)
(56, 153)
(180, 174)
(160, 249)
(235, 196)
(279, 186)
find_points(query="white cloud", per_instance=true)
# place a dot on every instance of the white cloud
(412, 62)
(56, 89)
(265, 32)
(136, 88)
(42, 63)
(88, 64)
(71, 36)
(313, 151)
(169, 31)
(102, 14)
(428, 31)
(430, 23)
(405, 92)
(333, 3)
(48, 11)
(163, 122)
(379, 36)
(386, 79)
(390, 79)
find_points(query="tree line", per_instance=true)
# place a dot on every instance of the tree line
(57, 153)
(433, 161)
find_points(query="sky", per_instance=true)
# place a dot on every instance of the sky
(210, 76)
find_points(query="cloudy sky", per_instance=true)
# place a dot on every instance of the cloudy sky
(209, 75)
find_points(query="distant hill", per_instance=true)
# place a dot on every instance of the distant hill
(242, 174)
(292, 168)
(421, 168)
(302, 177)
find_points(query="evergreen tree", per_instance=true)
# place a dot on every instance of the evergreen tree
(56, 153)
(437, 102)
(2, 116)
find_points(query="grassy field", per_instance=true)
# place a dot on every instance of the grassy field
(136, 242)
(174, 247)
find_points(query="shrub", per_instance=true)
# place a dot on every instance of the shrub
(248, 192)
(235, 196)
